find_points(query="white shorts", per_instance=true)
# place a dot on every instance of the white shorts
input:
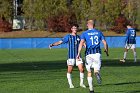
(93, 61)
(130, 46)
(72, 62)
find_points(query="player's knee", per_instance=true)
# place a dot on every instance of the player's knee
(96, 71)
(126, 50)
(134, 50)
(81, 70)
(89, 74)
(69, 70)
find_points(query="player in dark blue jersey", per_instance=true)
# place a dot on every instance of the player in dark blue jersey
(130, 42)
(92, 37)
(73, 41)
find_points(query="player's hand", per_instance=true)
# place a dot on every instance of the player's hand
(106, 53)
(78, 58)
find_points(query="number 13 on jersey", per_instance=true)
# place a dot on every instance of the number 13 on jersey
(94, 40)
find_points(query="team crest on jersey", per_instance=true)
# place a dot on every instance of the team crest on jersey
(78, 39)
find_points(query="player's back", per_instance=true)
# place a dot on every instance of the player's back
(93, 38)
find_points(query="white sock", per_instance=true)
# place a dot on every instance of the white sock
(124, 56)
(69, 78)
(135, 56)
(90, 83)
(81, 78)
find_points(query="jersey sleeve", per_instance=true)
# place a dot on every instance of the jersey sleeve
(65, 39)
(102, 36)
(82, 36)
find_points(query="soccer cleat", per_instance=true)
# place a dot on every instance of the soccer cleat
(99, 81)
(91, 91)
(82, 85)
(71, 86)
(91, 88)
(122, 60)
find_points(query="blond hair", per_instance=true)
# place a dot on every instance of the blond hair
(91, 22)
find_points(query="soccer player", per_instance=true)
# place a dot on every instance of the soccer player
(73, 41)
(92, 37)
(130, 42)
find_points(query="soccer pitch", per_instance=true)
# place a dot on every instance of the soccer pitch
(44, 71)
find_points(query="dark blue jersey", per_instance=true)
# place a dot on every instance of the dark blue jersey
(73, 44)
(93, 38)
(130, 36)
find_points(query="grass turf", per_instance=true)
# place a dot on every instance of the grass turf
(44, 71)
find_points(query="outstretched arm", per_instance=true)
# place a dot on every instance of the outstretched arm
(55, 44)
(105, 47)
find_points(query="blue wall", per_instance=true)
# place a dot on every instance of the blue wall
(13, 43)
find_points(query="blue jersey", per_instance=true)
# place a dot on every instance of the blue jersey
(73, 44)
(130, 36)
(93, 38)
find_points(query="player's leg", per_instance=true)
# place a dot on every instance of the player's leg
(70, 64)
(81, 69)
(134, 53)
(125, 54)
(69, 76)
(97, 65)
(90, 81)
(98, 76)
(89, 74)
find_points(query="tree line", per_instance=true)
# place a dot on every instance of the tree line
(43, 14)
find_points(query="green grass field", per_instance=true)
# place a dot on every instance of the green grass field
(44, 71)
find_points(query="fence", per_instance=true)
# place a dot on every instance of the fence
(17, 43)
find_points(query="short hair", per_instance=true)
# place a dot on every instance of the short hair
(129, 24)
(76, 25)
(91, 22)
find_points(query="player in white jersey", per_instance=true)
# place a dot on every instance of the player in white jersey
(92, 37)
(130, 42)
(73, 41)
